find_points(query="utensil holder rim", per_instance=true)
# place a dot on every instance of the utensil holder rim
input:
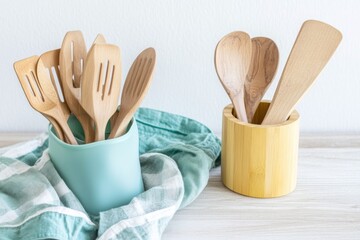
(294, 117)
(81, 147)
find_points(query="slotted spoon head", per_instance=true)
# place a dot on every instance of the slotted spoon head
(48, 66)
(100, 86)
(50, 60)
(72, 57)
(26, 72)
(232, 61)
(136, 85)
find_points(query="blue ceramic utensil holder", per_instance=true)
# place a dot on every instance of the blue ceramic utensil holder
(104, 174)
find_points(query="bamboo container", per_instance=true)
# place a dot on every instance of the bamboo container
(259, 160)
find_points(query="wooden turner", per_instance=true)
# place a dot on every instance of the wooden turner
(37, 97)
(72, 57)
(50, 61)
(135, 88)
(100, 86)
(314, 45)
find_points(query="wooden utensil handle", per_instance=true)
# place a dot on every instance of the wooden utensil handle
(88, 127)
(57, 128)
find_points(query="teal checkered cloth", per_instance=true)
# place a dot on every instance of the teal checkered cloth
(176, 156)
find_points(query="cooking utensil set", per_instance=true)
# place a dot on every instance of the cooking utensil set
(247, 66)
(71, 80)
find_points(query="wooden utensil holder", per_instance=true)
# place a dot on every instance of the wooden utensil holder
(259, 160)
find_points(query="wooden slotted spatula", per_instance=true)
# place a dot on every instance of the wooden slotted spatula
(232, 61)
(314, 45)
(136, 85)
(264, 62)
(73, 51)
(50, 61)
(72, 57)
(37, 97)
(100, 86)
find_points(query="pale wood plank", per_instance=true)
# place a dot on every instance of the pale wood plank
(325, 205)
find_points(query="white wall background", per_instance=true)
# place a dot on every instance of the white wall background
(184, 34)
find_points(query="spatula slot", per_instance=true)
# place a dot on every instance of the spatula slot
(56, 80)
(105, 80)
(99, 78)
(35, 86)
(112, 79)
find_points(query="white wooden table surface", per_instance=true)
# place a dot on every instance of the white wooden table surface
(325, 204)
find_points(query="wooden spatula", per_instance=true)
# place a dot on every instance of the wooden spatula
(135, 88)
(232, 61)
(315, 44)
(73, 55)
(264, 62)
(50, 61)
(36, 95)
(73, 51)
(100, 86)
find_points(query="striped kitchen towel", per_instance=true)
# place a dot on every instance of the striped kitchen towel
(176, 156)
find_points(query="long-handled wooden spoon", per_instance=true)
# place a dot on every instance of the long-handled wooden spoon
(136, 85)
(264, 62)
(73, 53)
(314, 45)
(100, 86)
(232, 61)
(36, 95)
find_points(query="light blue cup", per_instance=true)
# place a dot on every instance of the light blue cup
(104, 174)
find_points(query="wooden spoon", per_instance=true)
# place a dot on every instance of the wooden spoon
(37, 97)
(100, 87)
(136, 85)
(70, 75)
(232, 61)
(315, 44)
(264, 62)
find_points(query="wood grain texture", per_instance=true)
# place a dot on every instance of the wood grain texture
(36, 90)
(100, 86)
(135, 88)
(100, 39)
(73, 53)
(314, 46)
(232, 62)
(324, 205)
(50, 62)
(263, 66)
(259, 161)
